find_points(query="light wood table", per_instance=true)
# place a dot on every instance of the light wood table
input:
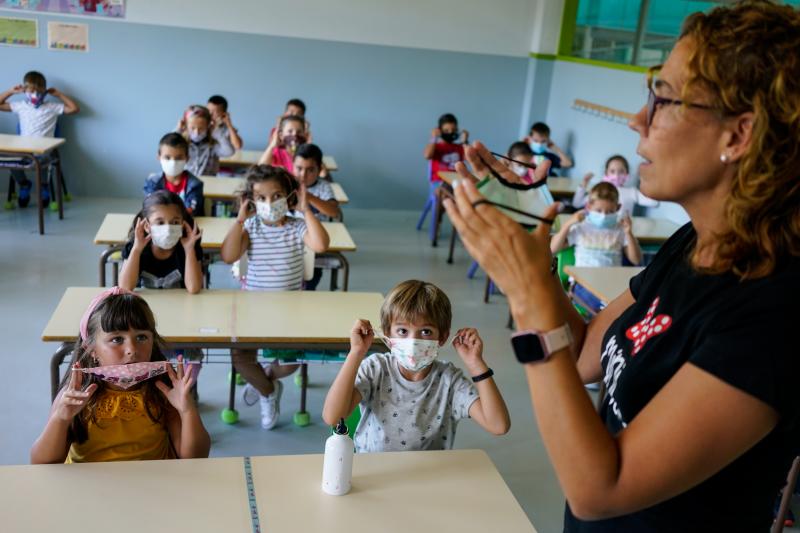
(606, 283)
(26, 149)
(113, 233)
(227, 189)
(455, 490)
(246, 158)
(339, 194)
(647, 230)
(230, 319)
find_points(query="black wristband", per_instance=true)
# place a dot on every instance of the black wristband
(486, 375)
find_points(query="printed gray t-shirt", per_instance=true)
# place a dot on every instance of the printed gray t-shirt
(399, 415)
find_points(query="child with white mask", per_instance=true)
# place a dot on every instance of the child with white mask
(207, 144)
(409, 398)
(274, 243)
(173, 154)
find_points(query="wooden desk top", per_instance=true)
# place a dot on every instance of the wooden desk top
(251, 157)
(557, 186)
(28, 145)
(647, 230)
(224, 188)
(458, 490)
(225, 316)
(114, 231)
(604, 282)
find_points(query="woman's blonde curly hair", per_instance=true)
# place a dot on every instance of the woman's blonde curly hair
(747, 58)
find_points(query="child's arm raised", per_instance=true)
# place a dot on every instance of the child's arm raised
(237, 240)
(186, 430)
(343, 396)
(430, 148)
(70, 107)
(129, 277)
(565, 160)
(316, 237)
(5, 106)
(632, 250)
(234, 138)
(489, 410)
(193, 269)
(52, 445)
(266, 157)
(559, 241)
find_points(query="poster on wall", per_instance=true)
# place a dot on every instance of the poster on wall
(19, 32)
(70, 37)
(101, 8)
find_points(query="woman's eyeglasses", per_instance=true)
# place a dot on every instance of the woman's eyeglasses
(653, 101)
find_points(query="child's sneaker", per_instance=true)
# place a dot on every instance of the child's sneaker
(45, 197)
(24, 197)
(271, 406)
(250, 395)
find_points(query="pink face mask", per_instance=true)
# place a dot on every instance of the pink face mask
(616, 181)
(126, 376)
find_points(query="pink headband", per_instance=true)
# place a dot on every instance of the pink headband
(113, 291)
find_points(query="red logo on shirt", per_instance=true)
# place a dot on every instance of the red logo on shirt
(650, 326)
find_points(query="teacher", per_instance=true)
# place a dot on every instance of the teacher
(700, 355)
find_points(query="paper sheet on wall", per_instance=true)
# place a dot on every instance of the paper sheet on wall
(101, 8)
(64, 36)
(19, 32)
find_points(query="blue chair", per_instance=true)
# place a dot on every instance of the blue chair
(430, 205)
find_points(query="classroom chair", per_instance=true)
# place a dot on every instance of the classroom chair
(430, 205)
(786, 499)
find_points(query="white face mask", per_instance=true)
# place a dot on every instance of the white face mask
(166, 236)
(519, 170)
(173, 167)
(272, 211)
(414, 354)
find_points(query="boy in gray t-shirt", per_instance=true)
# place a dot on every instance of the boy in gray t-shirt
(409, 400)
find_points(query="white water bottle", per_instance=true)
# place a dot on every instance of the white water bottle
(337, 467)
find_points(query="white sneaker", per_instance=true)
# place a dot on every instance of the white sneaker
(250, 395)
(271, 406)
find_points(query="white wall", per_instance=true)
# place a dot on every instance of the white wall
(502, 27)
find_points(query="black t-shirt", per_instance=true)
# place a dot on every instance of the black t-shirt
(742, 333)
(166, 273)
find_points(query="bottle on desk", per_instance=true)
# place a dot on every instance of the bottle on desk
(337, 467)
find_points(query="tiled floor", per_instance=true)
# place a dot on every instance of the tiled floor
(34, 270)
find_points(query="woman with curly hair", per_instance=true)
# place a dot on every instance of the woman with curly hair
(701, 419)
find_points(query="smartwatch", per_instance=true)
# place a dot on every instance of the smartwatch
(537, 346)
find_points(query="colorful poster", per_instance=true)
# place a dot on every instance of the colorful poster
(64, 36)
(102, 8)
(19, 32)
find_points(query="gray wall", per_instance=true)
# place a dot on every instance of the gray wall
(370, 106)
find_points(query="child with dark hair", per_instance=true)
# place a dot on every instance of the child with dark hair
(544, 148)
(283, 145)
(221, 120)
(173, 153)
(307, 168)
(206, 143)
(617, 173)
(445, 147)
(37, 118)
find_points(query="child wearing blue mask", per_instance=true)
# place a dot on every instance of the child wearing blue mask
(206, 143)
(409, 399)
(37, 118)
(544, 148)
(598, 233)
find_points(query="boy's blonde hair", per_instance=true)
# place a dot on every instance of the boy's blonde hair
(417, 300)
(605, 191)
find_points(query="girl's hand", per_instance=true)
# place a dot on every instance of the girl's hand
(72, 399)
(192, 235)
(586, 179)
(361, 337)
(469, 346)
(181, 127)
(180, 395)
(245, 207)
(627, 224)
(140, 236)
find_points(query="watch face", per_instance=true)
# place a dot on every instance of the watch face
(528, 347)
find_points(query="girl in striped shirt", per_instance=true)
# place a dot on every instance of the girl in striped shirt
(274, 244)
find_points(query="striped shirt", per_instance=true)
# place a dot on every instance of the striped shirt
(275, 256)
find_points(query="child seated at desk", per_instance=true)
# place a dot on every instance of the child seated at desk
(274, 243)
(124, 408)
(173, 153)
(37, 118)
(544, 148)
(221, 120)
(616, 173)
(598, 233)
(206, 144)
(294, 108)
(283, 145)
(409, 399)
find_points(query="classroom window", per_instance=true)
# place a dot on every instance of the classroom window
(631, 32)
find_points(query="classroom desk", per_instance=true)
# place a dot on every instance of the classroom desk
(246, 158)
(227, 189)
(230, 319)
(605, 283)
(455, 490)
(113, 232)
(26, 149)
(646, 229)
